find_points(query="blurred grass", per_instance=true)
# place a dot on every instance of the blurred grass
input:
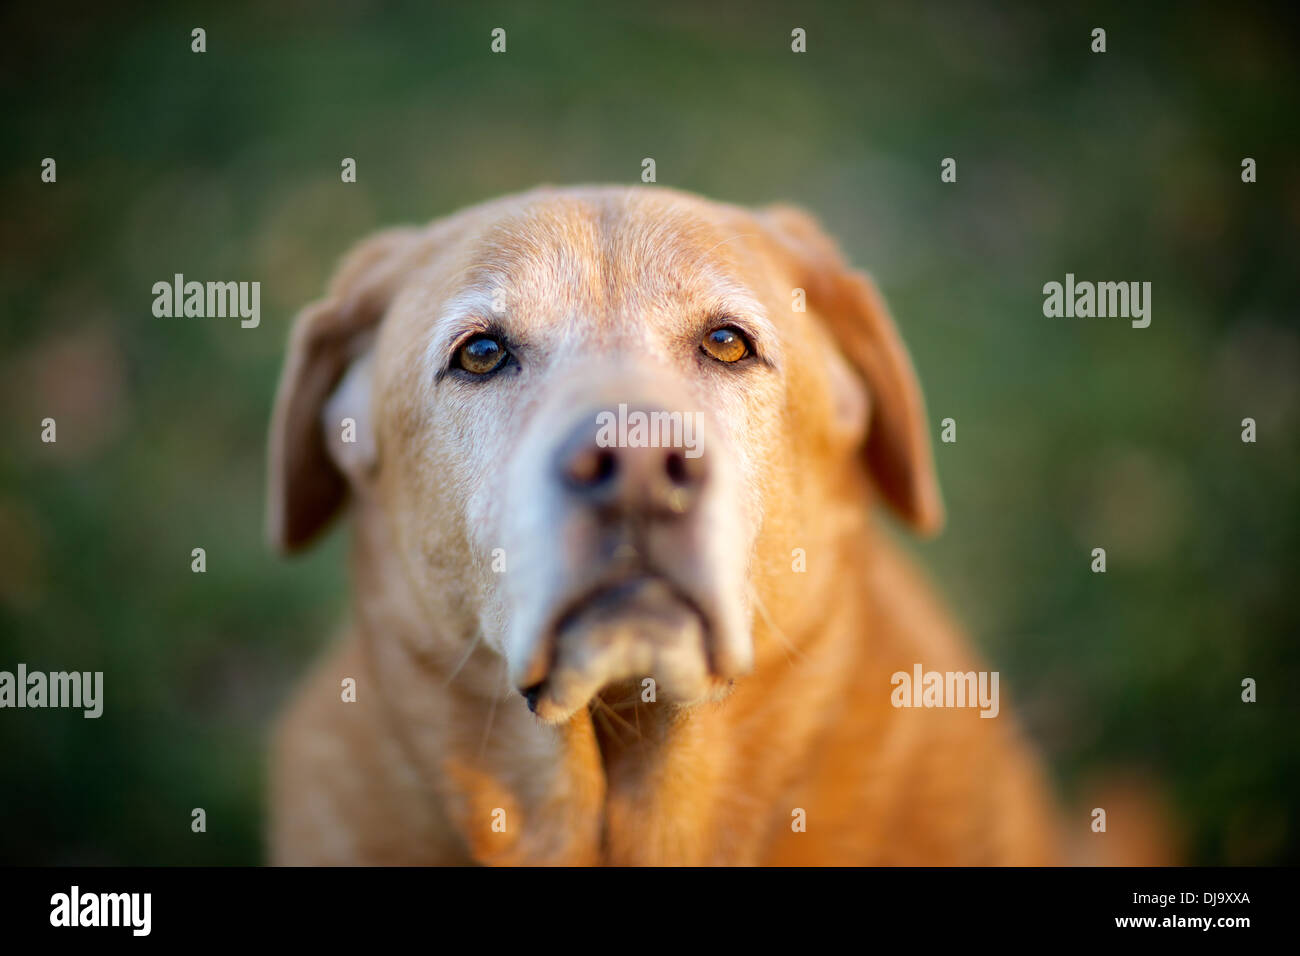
(1072, 434)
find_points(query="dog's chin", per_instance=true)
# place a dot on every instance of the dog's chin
(640, 633)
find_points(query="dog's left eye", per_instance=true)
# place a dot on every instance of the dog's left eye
(480, 355)
(726, 344)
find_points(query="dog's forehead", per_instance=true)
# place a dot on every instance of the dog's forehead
(605, 259)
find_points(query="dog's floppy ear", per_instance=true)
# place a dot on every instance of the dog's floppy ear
(305, 485)
(898, 440)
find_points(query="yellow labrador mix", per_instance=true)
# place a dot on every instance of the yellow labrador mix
(618, 594)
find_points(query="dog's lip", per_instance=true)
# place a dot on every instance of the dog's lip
(613, 590)
(609, 588)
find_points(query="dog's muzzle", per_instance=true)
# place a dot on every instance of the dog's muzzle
(632, 610)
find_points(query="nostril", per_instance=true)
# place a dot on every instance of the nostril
(676, 468)
(591, 467)
(684, 471)
(606, 466)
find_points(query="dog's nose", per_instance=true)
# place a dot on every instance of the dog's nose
(653, 473)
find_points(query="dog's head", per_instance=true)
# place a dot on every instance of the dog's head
(596, 425)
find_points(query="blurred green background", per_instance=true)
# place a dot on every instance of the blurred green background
(1072, 433)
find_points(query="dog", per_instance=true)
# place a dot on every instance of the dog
(575, 644)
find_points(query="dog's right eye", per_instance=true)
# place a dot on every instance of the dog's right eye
(480, 355)
(727, 345)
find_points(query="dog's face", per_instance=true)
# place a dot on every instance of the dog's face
(594, 424)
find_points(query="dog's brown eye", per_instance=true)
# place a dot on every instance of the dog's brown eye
(727, 344)
(480, 355)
